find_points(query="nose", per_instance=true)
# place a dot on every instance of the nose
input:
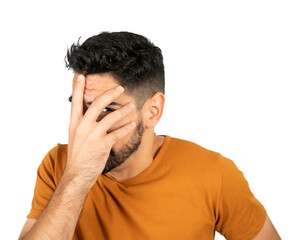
(88, 98)
(88, 91)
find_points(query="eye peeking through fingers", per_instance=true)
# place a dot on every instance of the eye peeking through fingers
(108, 110)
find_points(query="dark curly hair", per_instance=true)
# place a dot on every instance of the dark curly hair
(135, 62)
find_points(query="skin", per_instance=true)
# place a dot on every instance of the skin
(150, 114)
(87, 126)
(268, 232)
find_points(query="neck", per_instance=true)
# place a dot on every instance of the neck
(141, 159)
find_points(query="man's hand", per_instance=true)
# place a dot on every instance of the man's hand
(88, 150)
(89, 143)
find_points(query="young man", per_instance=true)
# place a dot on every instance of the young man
(117, 179)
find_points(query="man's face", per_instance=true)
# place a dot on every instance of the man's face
(97, 84)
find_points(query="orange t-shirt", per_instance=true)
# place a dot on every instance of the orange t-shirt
(188, 192)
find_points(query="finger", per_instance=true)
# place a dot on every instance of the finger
(109, 120)
(99, 104)
(77, 100)
(116, 135)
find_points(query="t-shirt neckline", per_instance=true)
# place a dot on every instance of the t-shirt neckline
(152, 166)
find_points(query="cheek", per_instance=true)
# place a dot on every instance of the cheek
(122, 143)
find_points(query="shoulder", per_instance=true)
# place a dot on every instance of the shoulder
(54, 161)
(187, 145)
(192, 151)
(57, 154)
(201, 163)
(195, 152)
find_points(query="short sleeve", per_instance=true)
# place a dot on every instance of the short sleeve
(45, 184)
(239, 215)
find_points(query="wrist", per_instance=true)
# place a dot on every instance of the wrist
(74, 182)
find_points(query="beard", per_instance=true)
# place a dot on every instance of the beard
(117, 158)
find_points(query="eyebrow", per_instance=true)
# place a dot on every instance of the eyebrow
(111, 104)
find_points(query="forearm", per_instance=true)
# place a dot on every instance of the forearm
(59, 218)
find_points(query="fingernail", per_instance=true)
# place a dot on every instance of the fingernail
(119, 88)
(131, 105)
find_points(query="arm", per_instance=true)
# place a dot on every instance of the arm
(240, 214)
(89, 146)
(27, 226)
(59, 219)
(268, 232)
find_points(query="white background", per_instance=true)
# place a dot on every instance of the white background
(232, 86)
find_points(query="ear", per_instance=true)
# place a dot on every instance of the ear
(153, 109)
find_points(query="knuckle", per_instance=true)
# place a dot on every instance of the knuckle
(105, 98)
(124, 110)
(115, 91)
(120, 113)
(92, 137)
(77, 131)
(114, 137)
(112, 93)
(117, 115)
(114, 116)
